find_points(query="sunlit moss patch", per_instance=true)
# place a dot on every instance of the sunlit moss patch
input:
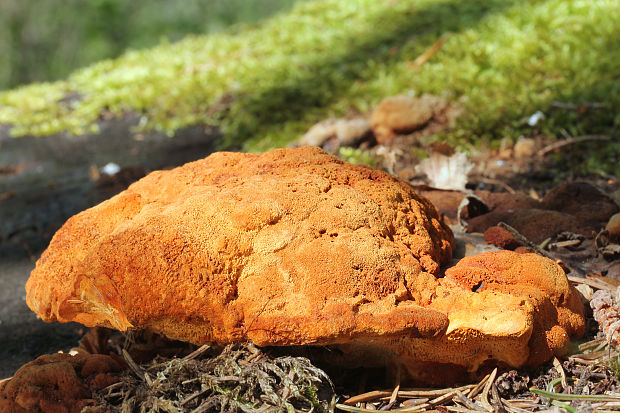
(265, 84)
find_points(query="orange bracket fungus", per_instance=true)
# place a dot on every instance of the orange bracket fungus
(294, 247)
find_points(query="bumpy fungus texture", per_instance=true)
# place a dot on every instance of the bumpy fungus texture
(294, 247)
(58, 383)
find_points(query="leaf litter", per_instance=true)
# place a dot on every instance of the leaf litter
(238, 378)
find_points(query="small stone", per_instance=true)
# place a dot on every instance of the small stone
(110, 168)
(613, 226)
(334, 133)
(525, 250)
(524, 148)
(399, 115)
(501, 237)
(319, 133)
(351, 131)
(407, 174)
(505, 148)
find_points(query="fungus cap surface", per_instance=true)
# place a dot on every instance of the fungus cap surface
(228, 247)
(294, 247)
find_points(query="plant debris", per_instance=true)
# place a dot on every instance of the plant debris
(582, 383)
(241, 378)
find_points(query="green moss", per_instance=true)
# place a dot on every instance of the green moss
(357, 156)
(265, 84)
(614, 366)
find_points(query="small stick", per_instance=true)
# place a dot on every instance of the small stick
(564, 244)
(148, 379)
(524, 240)
(193, 396)
(432, 392)
(394, 395)
(560, 369)
(196, 352)
(414, 402)
(138, 371)
(570, 141)
(430, 52)
(366, 397)
(467, 401)
(496, 401)
(591, 344)
(485, 393)
(353, 409)
(442, 399)
(378, 394)
(535, 247)
(513, 406)
(113, 386)
(474, 392)
(460, 409)
(499, 182)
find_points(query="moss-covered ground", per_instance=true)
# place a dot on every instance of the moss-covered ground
(265, 84)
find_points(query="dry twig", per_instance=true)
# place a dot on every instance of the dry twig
(571, 141)
(430, 52)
